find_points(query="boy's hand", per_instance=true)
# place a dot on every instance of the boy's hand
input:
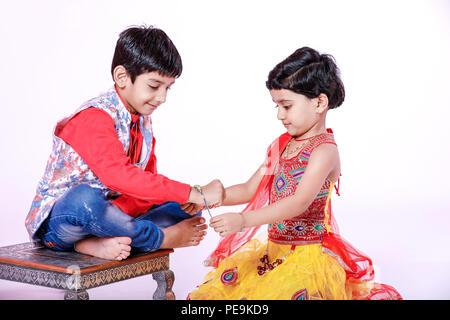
(214, 193)
(191, 208)
(227, 223)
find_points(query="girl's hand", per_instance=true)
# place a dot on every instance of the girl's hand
(227, 223)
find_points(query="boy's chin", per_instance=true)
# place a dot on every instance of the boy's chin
(146, 112)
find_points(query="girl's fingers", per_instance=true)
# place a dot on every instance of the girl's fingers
(215, 220)
(223, 234)
(216, 224)
(220, 229)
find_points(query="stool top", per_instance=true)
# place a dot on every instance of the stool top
(34, 255)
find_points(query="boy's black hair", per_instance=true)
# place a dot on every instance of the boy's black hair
(309, 73)
(146, 49)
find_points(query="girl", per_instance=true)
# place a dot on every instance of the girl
(303, 256)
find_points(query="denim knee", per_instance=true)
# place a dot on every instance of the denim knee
(84, 193)
(79, 201)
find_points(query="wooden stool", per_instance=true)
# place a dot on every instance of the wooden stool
(33, 263)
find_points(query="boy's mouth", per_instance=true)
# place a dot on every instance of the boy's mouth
(152, 106)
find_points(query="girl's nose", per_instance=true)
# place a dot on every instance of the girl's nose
(280, 113)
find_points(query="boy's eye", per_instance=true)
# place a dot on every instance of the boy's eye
(153, 87)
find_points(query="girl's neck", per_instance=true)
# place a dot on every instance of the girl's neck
(317, 129)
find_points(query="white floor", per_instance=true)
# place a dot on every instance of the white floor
(415, 280)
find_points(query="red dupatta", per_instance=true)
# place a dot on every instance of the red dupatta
(232, 242)
(356, 264)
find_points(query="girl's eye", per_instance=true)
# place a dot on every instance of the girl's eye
(285, 107)
(153, 87)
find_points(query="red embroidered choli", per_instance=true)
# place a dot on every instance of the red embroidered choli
(309, 226)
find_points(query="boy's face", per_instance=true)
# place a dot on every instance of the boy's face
(148, 91)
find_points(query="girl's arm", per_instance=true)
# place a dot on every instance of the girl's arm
(324, 162)
(234, 195)
(243, 193)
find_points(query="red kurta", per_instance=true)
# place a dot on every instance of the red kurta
(92, 135)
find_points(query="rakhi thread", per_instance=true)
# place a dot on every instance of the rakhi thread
(199, 189)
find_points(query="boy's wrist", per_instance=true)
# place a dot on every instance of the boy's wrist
(195, 196)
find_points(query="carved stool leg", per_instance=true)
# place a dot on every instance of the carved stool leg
(76, 295)
(165, 280)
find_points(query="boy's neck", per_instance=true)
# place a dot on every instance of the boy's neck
(130, 110)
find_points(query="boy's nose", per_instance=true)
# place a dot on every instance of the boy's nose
(161, 98)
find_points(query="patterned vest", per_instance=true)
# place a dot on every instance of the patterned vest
(309, 227)
(65, 168)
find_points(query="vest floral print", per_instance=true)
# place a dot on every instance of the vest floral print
(65, 168)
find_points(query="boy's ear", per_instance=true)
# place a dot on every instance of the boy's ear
(121, 76)
(322, 103)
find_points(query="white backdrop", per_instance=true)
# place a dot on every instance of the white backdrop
(392, 129)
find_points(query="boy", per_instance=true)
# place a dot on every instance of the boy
(101, 193)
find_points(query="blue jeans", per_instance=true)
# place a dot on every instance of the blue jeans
(84, 212)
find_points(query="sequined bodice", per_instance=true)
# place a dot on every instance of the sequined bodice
(309, 226)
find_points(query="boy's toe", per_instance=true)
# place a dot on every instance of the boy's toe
(124, 240)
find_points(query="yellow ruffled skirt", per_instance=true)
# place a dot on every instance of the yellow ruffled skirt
(306, 273)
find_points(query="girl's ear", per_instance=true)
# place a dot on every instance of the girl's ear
(322, 103)
(121, 76)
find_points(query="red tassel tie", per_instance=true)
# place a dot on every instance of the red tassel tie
(337, 188)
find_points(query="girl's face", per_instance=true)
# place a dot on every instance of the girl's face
(148, 91)
(298, 113)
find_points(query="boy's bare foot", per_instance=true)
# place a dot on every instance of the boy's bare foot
(186, 233)
(112, 248)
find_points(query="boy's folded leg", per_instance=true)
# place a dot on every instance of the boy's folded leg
(188, 232)
(179, 228)
(84, 212)
(112, 248)
(55, 241)
(167, 214)
(84, 217)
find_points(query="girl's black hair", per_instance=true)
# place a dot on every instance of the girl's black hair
(146, 49)
(309, 73)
